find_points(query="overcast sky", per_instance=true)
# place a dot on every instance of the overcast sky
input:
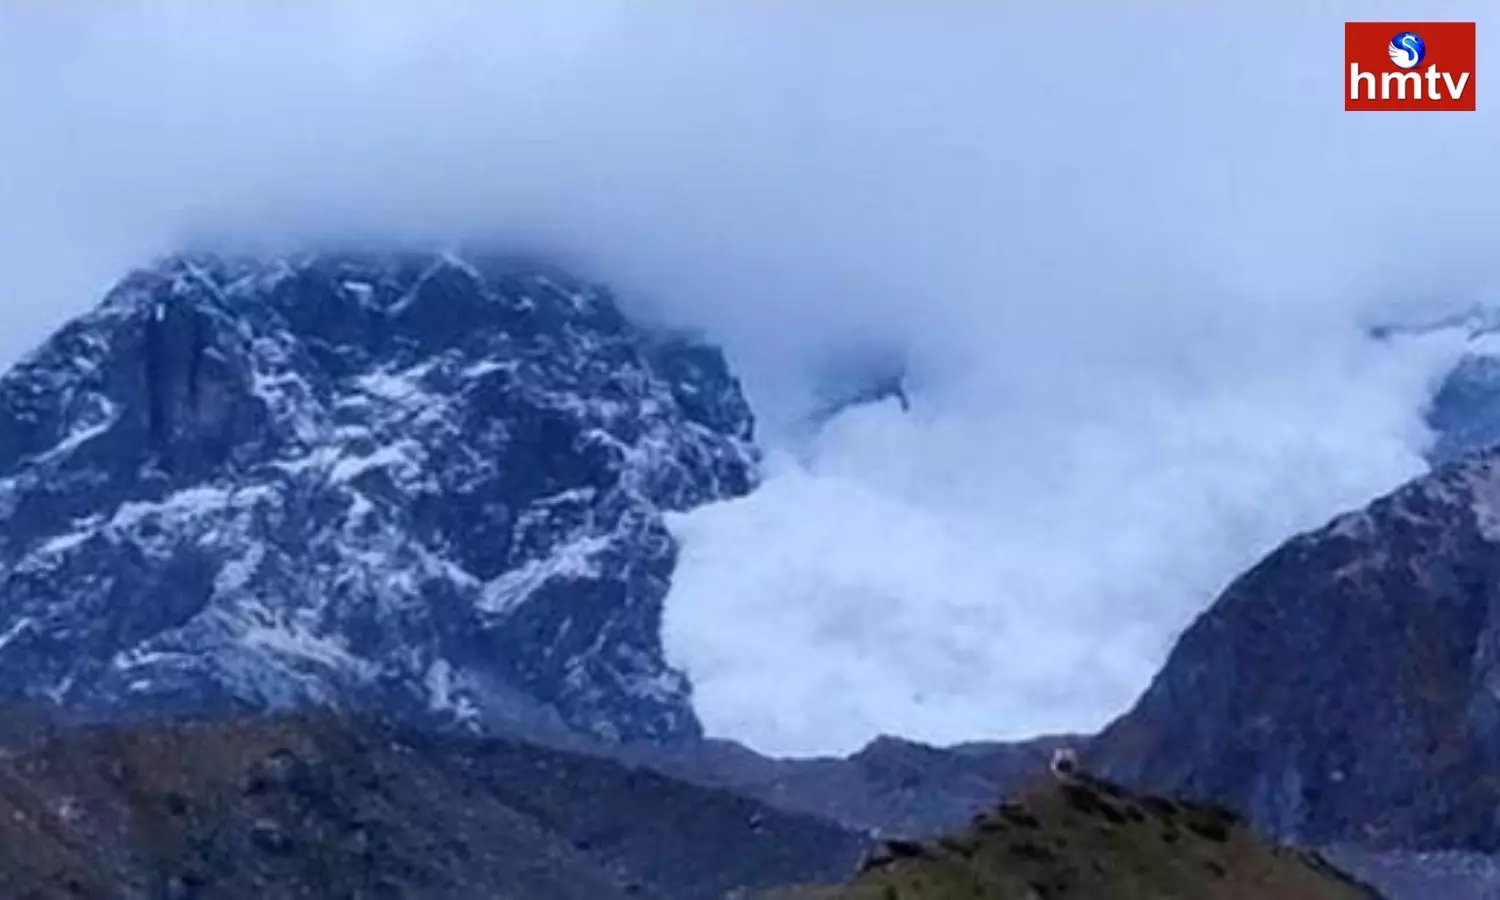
(1128, 256)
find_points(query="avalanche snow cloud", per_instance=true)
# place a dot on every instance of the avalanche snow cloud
(1126, 258)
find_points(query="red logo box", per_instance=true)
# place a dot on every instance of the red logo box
(1409, 66)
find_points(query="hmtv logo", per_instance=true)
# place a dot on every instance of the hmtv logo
(1409, 65)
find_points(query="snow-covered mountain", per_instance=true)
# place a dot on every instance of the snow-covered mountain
(428, 484)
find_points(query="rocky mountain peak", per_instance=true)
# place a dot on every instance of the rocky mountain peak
(429, 482)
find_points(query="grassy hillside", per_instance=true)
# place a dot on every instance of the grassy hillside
(299, 807)
(1091, 840)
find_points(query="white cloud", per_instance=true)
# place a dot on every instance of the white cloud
(1128, 255)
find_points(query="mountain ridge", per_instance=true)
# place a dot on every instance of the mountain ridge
(315, 805)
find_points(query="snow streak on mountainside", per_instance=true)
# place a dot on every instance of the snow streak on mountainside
(426, 483)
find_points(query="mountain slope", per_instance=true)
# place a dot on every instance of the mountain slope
(892, 787)
(1087, 840)
(284, 807)
(1347, 688)
(411, 481)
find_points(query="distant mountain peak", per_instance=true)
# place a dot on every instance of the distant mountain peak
(419, 480)
(1464, 412)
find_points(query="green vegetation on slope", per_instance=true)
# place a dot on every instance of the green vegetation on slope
(314, 808)
(1090, 840)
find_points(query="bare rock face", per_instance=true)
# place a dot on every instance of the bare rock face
(1346, 690)
(424, 484)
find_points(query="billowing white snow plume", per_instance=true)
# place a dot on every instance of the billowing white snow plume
(993, 573)
(1126, 258)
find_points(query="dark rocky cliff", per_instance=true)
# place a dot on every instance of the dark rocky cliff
(1347, 688)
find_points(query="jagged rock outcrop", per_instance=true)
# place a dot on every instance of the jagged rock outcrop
(429, 484)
